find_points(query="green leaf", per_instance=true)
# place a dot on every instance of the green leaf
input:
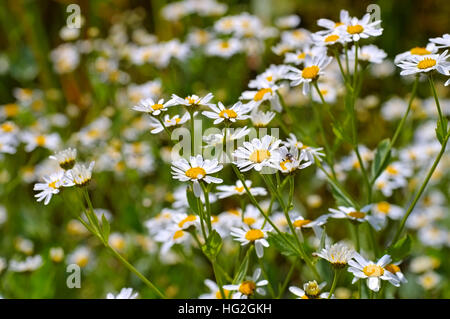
(242, 271)
(340, 197)
(381, 152)
(279, 242)
(401, 249)
(192, 200)
(105, 228)
(441, 130)
(213, 245)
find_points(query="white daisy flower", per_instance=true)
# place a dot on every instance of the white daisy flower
(290, 160)
(288, 22)
(416, 51)
(196, 170)
(260, 118)
(171, 236)
(33, 140)
(269, 77)
(322, 39)
(314, 151)
(65, 158)
(300, 55)
(257, 154)
(395, 269)
(313, 69)
(429, 280)
(311, 290)
(425, 63)
(256, 98)
(220, 113)
(338, 254)
(385, 209)
(370, 53)
(249, 286)
(441, 42)
(80, 174)
(215, 292)
(328, 92)
(168, 121)
(361, 268)
(331, 25)
(357, 215)
(192, 100)
(361, 29)
(149, 106)
(239, 189)
(247, 235)
(51, 186)
(224, 48)
(125, 293)
(184, 221)
(31, 263)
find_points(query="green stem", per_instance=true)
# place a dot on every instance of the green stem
(136, 272)
(207, 207)
(421, 190)
(396, 133)
(436, 99)
(287, 279)
(333, 285)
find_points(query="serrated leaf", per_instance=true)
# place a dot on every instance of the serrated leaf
(213, 245)
(381, 152)
(279, 242)
(401, 249)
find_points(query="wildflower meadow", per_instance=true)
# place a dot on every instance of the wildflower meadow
(212, 149)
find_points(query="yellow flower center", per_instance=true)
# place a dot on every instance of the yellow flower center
(426, 63)
(196, 173)
(332, 38)
(178, 234)
(82, 261)
(190, 218)
(53, 185)
(358, 215)
(254, 234)
(299, 223)
(249, 220)
(392, 268)
(259, 155)
(229, 113)
(301, 56)
(219, 294)
(312, 289)
(283, 164)
(234, 212)
(354, 29)
(419, 51)
(337, 24)
(310, 72)
(269, 78)
(40, 140)
(247, 287)
(7, 127)
(392, 170)
(373, 270)
(156, 107)
(224, 45)
(384, 207)
(260, 94)
(239, 189)
(190, 100)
